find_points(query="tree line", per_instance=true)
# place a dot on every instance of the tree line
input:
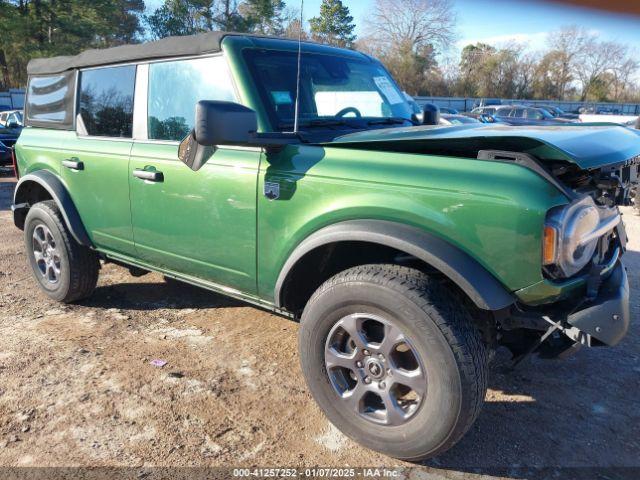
(415, 39)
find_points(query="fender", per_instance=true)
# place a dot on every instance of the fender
(54, 186)
(480, 285)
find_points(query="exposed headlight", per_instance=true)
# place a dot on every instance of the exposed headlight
(571, 235)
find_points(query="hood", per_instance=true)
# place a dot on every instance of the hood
(586, 145)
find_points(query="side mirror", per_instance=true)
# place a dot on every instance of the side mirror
(224, 123)
(216, 123)
(430, 114)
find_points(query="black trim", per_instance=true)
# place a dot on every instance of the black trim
(481, 286)
(165, 48)
(608, 316)
(52, 184)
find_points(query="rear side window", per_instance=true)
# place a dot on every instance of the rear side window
(176, 87)
(106, 101)
(50, 101)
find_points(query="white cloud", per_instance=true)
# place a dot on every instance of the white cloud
(533, 41)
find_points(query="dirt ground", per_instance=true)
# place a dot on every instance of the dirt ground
(77, 387)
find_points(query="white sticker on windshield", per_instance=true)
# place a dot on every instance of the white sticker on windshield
(388, 90)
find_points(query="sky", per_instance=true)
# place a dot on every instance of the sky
(499, 21)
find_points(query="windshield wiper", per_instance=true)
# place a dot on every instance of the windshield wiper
(320, 122)
(389, 121)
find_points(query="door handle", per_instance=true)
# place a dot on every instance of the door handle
(149, 175)
(73, 164)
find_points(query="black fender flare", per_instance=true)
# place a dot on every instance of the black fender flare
(54, 186)
(461, 268)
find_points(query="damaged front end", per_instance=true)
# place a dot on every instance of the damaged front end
(584, 298)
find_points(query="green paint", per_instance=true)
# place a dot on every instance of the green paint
(215, 228)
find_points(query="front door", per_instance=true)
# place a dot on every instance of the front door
(203, 223)
(95, 158)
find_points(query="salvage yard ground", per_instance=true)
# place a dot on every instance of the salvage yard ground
(77, 387)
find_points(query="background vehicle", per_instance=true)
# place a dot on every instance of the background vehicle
(408, 252)
(448, 110)
(8, 138)
(11, 119)
(448, 119)
(557, 112)
(488, 110)
(518, 115)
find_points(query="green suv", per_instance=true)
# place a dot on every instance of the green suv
(302, 182)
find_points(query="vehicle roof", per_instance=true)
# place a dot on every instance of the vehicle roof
(191, 45)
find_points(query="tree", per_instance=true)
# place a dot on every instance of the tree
(294, 29)
(228, 18)
(409, 67)
(334, 25)
(567, 47)
(37, 28)
(264, 16)
(407, 35)
(597, 62)
(179, 17)
(415, 23)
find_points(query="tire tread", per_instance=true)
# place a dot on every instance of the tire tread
(83, 262)
(449, 312)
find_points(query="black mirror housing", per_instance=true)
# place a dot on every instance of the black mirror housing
(430, 114)
(224, 123)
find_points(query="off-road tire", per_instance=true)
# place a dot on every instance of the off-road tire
(439, 326)
(79, 266)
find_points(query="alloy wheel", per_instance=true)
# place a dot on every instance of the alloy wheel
(374, 369)
(46, 254)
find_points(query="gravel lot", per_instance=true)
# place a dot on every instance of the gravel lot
(77, 388)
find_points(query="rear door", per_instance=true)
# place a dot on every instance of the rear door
(201, 224)
(96, 156)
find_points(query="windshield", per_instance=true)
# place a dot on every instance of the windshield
(333, 89)
(543, 113)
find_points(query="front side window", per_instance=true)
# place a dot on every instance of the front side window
(333, 89)
(106, 101)
(176, 87)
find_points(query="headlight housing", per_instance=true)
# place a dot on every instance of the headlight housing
(571, 235)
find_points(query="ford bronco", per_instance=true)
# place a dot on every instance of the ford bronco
(296, 177)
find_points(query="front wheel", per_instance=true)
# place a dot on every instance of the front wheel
(393, 359)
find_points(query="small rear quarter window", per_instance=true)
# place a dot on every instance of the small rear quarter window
(50, 100)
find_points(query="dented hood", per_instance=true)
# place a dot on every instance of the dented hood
(586, 145)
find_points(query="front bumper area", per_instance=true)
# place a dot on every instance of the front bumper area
(607, 317)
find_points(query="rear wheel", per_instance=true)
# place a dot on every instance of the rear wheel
(66, 270)
(393, 359)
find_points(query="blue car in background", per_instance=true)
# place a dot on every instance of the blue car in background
(521, 115)
(8, 138)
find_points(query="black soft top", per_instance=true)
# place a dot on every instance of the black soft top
(203, 43)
